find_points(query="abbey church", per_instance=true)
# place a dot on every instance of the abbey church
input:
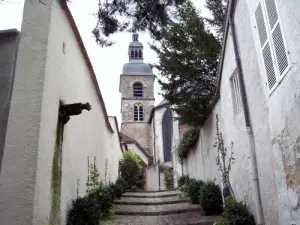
(150, 131)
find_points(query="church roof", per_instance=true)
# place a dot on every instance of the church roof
(137, 69)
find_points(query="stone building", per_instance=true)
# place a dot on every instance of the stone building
(146, 129)
(258, 103)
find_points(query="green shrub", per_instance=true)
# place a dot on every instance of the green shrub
(84, 211)
(210, 198)
(185, 190)
(130, 168)
(186, 143)
(120, 187)
(236, 213)
(168, 178)
(220, 222)
(105, 196)
(183, 180)
(194, 190)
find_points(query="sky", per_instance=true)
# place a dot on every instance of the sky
(107, 62)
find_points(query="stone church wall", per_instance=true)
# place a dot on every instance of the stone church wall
(52, 68)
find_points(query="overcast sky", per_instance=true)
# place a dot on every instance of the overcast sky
(107, 62)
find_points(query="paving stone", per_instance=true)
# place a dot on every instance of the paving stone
(191, 218)
(151, 201)
(152, 195)
(155, 209)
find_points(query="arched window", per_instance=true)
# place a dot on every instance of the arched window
(138, 112)
(140, 54)
(136, 54)
(167, 128)
(137, 90)
(132, 54)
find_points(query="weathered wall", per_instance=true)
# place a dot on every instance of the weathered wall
(152, 179)
(177, 168)
(283, 115)
(19, 164)
(51, 68)
(9, 40)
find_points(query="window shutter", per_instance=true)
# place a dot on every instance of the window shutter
(265, 47)
(277, 38)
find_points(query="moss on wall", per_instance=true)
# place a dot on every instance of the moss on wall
(55, 216)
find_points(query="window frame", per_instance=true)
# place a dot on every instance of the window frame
(138, 112)
(235, 89)
(141, 90)
(269, 32)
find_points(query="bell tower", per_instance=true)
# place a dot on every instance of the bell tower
(137, 91)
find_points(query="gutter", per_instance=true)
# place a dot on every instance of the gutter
(255, 180)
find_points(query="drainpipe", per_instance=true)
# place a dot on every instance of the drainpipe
(257, 197)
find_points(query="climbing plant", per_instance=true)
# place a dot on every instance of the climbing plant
(186, 143)
(222, 152)
(93, 179)
(168, 178)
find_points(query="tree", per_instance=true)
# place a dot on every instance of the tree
(132, 15)
(188, 58)
(218, 9)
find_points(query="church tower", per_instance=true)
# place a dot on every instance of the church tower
(137, 91)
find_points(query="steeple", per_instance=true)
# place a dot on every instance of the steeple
(135, 50)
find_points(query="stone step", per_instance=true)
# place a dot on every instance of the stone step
(150, 201)
(151, 194)
(189, 218)
(155, 210)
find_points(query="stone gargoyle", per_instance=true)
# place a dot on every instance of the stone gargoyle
(65, 111)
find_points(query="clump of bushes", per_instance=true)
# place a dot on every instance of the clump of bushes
(131, 169)
(184, 179)
(194, 190)
(168, 178)
(210, 198)
(84, 211)
(236, 213)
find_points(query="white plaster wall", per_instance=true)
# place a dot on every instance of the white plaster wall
(136, 150)
(18, 174)
(177, 168)
(67, 78)
(152, 179)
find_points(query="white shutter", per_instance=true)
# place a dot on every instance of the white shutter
(277, 37)
(265, 47)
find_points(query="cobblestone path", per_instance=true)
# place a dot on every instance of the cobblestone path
(157, 208)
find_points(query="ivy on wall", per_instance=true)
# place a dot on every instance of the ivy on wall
(186, 143)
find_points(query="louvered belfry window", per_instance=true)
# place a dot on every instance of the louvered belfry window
(137, 90)
(271, 40)
(138, 112)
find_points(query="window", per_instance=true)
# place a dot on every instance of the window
(138, 90)
(140, 54)
(235, 93)
(138, 112)
(135, 53)
(272, 43)
(132, 54)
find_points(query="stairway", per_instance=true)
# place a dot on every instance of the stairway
(157, 208)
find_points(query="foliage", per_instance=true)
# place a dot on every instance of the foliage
(184, 190)
(120, 187)
(105, 196)
(130, 168)
(188, 56)
(210, 198)
(236, 213)
(93, 179)
(220, 222)
(184, 179)
(186, 143)
(169, 178)
(221, 157)
(84, 211)
(132, 15)
(194, 190)
(218, 9)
